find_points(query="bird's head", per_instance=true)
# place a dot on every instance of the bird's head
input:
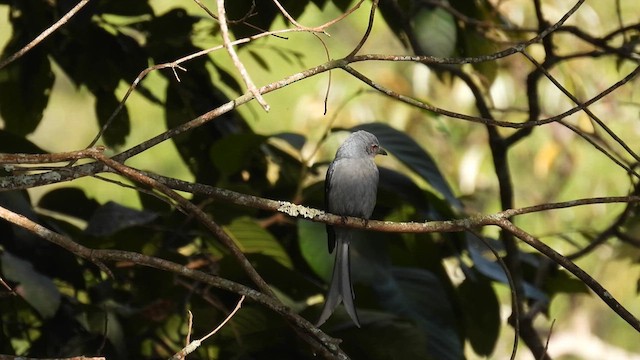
(360, 144)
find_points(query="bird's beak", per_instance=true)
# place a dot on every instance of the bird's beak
(381, 151)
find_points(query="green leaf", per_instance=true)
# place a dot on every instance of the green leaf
(481, 310)
(435, 31)
(38, 290)
(407, 150)
(232, 153)
(251, 238)
(477, 45)
(313, 246)
(125, 7)
(25, 86)
(117, 131)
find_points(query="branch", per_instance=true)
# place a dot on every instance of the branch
(328, 349)
(224, 30)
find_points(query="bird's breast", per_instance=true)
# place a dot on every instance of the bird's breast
(354, 185)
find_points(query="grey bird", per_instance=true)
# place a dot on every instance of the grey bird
(351, 187)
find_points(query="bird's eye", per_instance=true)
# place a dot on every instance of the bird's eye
(374, 147)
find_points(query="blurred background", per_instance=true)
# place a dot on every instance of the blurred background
(438, 296)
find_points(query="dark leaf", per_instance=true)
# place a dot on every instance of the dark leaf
(125, 7)
(119, 128)
(259, 60)
(294, 139)
(231, 154)
(493, 270)
(481, 310)
(38, 290)
(25, 86)
(69, 201)
(418, 295)
(229, 80)
(113, 217)
(11, 143)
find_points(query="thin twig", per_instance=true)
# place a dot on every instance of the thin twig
(372, 13)
(224, 31)
(193, 345)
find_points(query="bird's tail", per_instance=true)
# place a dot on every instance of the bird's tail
(340, 288)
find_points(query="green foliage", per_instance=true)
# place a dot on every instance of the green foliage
(409, 306)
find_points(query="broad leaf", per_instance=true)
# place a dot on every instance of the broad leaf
(481, 310)
(113, 217)
(313, 246)
(251, 238)
(25, 87)
(418, 295)
(38, 290)
(69, 201)
(120, 126)
(492, 269)
(435, 31)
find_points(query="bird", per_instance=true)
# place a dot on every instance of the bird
(351, 187)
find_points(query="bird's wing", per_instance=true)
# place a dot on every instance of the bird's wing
(331, 234)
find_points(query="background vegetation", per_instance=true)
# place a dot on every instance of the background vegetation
(484, 106)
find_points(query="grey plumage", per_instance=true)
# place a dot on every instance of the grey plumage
(351, 186)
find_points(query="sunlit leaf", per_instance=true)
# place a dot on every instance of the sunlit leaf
(254, 239)
(313, 246)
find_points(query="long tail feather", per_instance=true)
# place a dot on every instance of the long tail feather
(340, 288)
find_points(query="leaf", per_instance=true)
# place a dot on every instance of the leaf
(293, 139)
(494, 271)
(117, 131)
(313, 246)
(481, 310)
(477, 45)
(251, 238)
(232, 153)
(11, 143)
(418, 294)
(69, 201)
(386, 339)
(563, 282)
(435, 31)
(407, 150)
(25, 86)
(125, 7)
(228, 79)
(38, 290)
(113, 217)
(259, 60)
